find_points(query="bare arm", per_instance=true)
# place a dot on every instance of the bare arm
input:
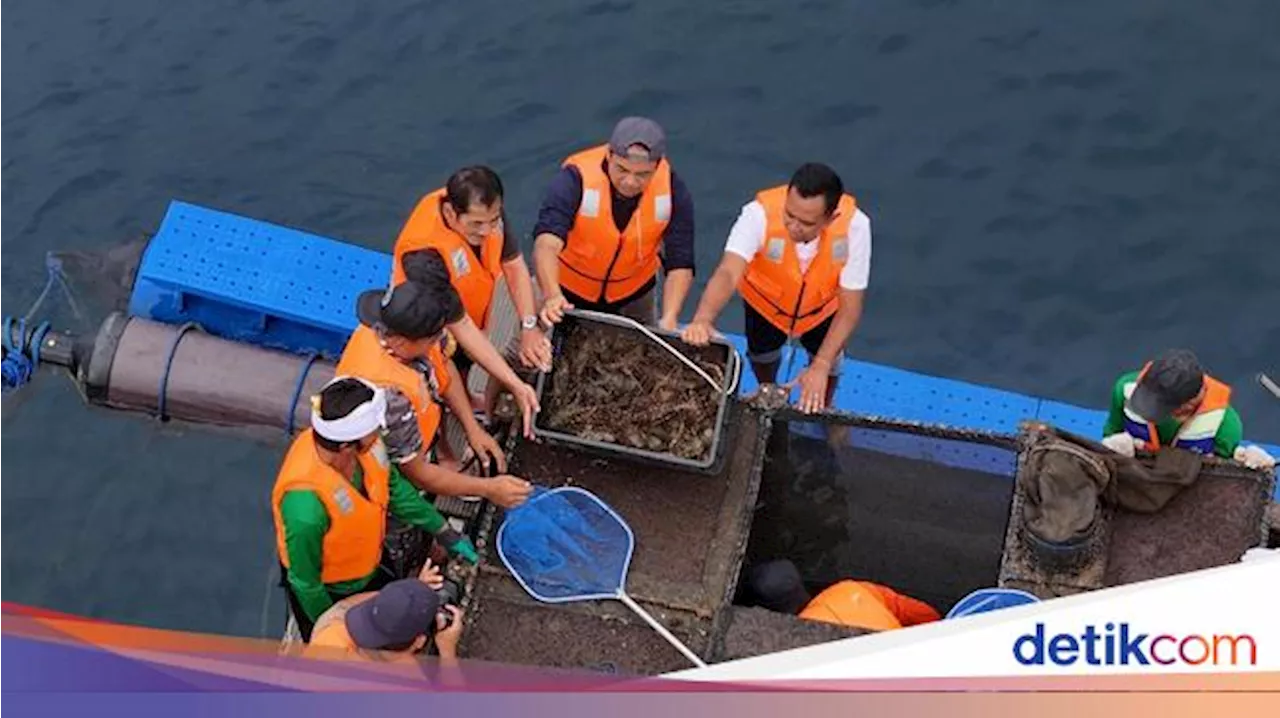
(842, 326)
(546, 263)
(482, 351)
(674, 291)
(721, 287)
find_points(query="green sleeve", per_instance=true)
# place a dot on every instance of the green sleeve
(1115, 416)
(1229, 434)
(305, 523)
(409, 506)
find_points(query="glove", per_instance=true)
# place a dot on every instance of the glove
(1121, 443)
(457, 544)
(1254, 457)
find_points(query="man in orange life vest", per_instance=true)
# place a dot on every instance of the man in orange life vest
(391, 624)
(464, 224)
(777, 586)
(612, 217)
(400, 345)
(331, 499)
(800, 255)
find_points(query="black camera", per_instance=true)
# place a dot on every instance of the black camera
(450, 593)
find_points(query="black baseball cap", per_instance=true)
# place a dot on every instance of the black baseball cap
(1174, 378)
(395, 616)
(412, 309)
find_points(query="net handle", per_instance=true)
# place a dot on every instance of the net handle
(661, 629)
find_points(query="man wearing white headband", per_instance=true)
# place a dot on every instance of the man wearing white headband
(331, 498)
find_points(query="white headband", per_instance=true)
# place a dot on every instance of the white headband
(362, 421)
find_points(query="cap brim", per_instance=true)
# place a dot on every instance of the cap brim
(360, 626)
(369, 307)
(1146, 403)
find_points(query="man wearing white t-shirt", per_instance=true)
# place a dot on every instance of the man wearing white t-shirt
(800, 256)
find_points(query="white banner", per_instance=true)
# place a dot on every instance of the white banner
(1225, 619)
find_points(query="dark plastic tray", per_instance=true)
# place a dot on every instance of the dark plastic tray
(732, 372)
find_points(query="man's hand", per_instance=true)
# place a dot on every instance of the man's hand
(447, 637)
(527, 399)
(508, 491)
(430, 575)
(1121, 443)
(535, 349)
(487, 449)
(553, 309)
(698, 333)
(813, 386)
(1254, 457)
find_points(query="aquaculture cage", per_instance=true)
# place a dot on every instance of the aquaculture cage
(922, 509)
(624, 390)
(1209, 522)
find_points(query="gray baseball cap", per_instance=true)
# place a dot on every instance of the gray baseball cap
(639, 131)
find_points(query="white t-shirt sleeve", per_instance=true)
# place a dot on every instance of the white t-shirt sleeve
(857, 270)
(747, 235)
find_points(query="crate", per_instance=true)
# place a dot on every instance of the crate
(731, 365)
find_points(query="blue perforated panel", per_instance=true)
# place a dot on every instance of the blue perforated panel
(253, 281)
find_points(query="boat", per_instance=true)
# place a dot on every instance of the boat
(908, 480)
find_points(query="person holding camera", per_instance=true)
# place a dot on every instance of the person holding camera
(393, 624)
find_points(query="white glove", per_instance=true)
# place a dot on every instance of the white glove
(1121, 443)
(1254, 457)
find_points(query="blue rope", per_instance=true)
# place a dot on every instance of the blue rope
(21, 352)
(297, 390)
(162, 397)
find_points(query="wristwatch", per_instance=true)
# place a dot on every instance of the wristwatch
(530, 322)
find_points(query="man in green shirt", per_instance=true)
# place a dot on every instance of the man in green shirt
(330, 502)
(1172, 401)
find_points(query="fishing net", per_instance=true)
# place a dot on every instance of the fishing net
(566, 545)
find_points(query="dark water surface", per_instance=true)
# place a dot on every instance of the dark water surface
(1056, 190)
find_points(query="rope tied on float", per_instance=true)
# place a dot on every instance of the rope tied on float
(22, 347)
(21, 352)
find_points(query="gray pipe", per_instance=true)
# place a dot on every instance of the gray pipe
(209, 380)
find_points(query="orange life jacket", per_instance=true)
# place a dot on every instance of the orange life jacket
(1198, 433)
(862, 604)
(795, 301)
(365, 358)
(598, 263)
(472, 275)
(353, 544)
